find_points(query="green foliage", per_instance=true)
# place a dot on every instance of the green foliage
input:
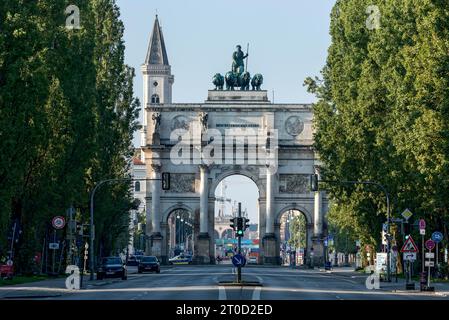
(382, 113)
(67, 116)
(298, 231)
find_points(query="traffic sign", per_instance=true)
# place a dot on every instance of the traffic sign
(53, 246)
(58, 222)
(238, 260)
(422, 227)
(430, 244)
(430, 255)
(437, 236)
(409, 245)
(422, 224)
(409, 256)
(407, 214)
(430, 264)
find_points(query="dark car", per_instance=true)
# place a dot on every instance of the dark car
(132, 261)
(149, 263)
(112, 267)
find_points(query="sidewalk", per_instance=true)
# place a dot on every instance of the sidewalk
(441, 288)
(54, 287)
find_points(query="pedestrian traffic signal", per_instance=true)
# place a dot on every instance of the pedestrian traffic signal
(314, 182)
(165, 180)
(233, 223)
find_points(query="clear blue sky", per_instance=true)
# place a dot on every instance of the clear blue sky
(288, 42)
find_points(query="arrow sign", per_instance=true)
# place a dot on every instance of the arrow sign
(238, 260)
(409, 245)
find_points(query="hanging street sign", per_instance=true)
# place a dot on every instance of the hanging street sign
(430, 244)
(437, 236)
(407, 214)
(58, 222)
(409, 245)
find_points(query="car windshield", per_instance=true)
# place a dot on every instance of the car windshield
(112, 261)
(149, 259)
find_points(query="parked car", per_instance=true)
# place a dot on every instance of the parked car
(132, 261)
(149, 263)
(252, 260)
(181, 259)
(112, 267)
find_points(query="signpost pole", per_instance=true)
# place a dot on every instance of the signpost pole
(54, 252)
(423, 255)
(239, 248)
(428, 271)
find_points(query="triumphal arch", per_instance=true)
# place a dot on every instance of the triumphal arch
(237, 130)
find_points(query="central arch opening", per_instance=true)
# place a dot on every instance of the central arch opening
(180, 233)
(228, 193)
(293, 238)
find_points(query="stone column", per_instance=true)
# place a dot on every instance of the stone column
(269, 239)
(269, 206)
(156, 200)
(204, 199)
(318, 216)
(156, 237)
(203, 243)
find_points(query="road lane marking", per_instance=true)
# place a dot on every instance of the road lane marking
(221, 293)
(256, 293)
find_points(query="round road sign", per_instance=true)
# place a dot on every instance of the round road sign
(238, 260)
(58, 222)
(430, 244)
(422, 224)
(437, 236)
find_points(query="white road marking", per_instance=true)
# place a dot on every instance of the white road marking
(256, 293)
(221, 293)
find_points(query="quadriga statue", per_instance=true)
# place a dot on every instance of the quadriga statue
(218, 81)
(257, 81)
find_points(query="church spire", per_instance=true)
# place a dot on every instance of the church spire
(157, 54)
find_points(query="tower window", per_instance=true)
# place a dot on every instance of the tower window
(155, 83)
(155, 98)
(137, 186)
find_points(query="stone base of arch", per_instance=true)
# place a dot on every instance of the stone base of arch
(154, 247)
(203, 254)
(317, 260)
(271, 249)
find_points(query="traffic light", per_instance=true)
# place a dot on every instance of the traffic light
(165, 180)
(233, 223)
(240, 229)
(246, 225)
(314, 182)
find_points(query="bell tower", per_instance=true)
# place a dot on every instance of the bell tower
(157, 77)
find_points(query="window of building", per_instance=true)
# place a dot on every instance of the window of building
(155, 98)
(137, 186)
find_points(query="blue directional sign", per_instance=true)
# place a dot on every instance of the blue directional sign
(437, 236)
(238, 260)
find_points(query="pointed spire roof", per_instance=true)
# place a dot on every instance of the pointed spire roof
(157, 53)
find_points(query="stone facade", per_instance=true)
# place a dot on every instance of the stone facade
(194, 182)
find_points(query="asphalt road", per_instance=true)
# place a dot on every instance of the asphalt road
(202, 283)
